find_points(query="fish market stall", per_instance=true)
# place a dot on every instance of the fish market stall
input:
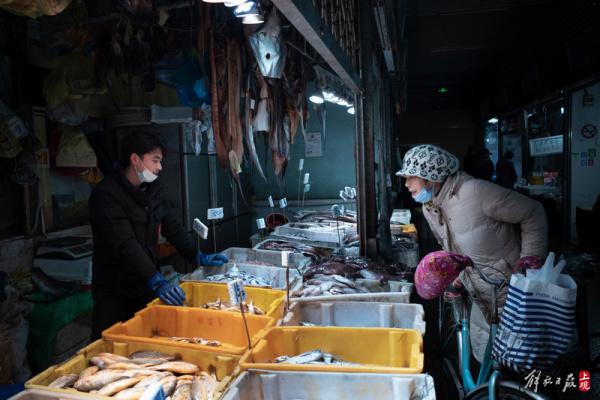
(315, 253)
(335, 349)
(356, 314)
(283, 385)
(343, 275)
(241, 255)
(123, 370)
(332, 233)
(250, 274)
(190, 328)
(215, 296)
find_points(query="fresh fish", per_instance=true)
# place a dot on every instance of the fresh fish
(224, 306)
(114, 357)
(89, 371)
(183, 391)
(314, 357)
(152, 378)
(178, 367)
(303, 358)
(97, 381)
(101, 362)
(198, 390)
(117, 386)
(126, 365)
(64, 381)
(305, 323)
(235, 273)
(185, 378)
(195, 340)
(168, 383)
(133, 393)
(151, 354)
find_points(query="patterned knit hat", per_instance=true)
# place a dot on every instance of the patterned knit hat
(436, 271)
(428, 162)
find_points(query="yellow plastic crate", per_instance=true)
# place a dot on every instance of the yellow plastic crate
(378, 350)
(271, 301)
(223, 365)
(167, 321)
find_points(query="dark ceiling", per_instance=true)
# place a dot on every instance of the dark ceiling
(497, 54)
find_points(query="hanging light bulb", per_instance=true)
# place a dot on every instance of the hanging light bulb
(246, 9)
(317, 99)
(351, 110)
(327, 95)
(233, 3)
(253, 19)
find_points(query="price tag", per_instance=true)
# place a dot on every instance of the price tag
(285, 255)
(301, 164)
(237, 293)
(271, 204)
(200, 228)
(252, 104)
(260, 223)
(307, 188)
(215, 213)
(306, 178)
(283, 203)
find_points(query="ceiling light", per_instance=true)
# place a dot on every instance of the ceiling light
(327, 95)
(351, 110)
(214, 1)
(315, 98)
(493, 120)
(343, 103)
(248, 8)
(562, 110)
(253, 19)
(233, 3)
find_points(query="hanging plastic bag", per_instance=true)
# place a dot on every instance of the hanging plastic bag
(268, 47)
(34, 8)
(538, 321)
(74, 150)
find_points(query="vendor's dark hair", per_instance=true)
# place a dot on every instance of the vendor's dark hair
(140, 143)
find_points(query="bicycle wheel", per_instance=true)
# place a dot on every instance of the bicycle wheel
(505, 390)
(449, 383)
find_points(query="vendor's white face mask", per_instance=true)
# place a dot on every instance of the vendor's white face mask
(145, 175)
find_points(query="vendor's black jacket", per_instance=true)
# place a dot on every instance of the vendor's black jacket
(125, 223)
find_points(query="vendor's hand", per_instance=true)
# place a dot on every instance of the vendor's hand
(528, 262)
(211, 260)
(170, 294)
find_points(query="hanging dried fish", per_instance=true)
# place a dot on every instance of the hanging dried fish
(278, 136)
(250, 142)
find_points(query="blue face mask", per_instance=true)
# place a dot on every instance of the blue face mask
(424, 196)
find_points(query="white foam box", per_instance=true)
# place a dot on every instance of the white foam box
(357, 314)
(284, 385)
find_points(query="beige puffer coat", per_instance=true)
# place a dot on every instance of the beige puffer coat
(492, 225)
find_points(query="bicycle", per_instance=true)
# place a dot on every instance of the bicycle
(454, 325)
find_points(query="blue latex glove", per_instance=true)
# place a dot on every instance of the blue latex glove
(211, 260)
(168, 293)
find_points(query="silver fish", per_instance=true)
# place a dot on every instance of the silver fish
(64, 381)
(303, 358)
(314, 357)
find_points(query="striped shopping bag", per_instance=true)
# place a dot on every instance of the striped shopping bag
(537, 324)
